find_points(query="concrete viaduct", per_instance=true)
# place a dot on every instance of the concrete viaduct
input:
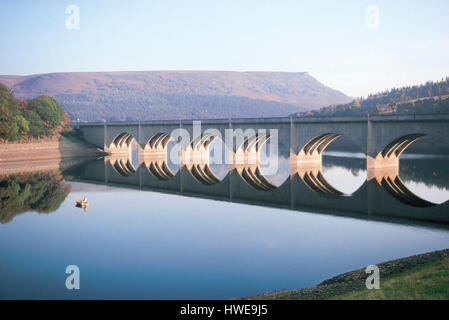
(382, 138)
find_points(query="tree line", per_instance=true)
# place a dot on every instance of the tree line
(25, 119)
(431, 97)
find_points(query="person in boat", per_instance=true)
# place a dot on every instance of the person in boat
(81, 201)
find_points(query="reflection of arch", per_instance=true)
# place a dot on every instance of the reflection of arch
(197, 159)
(315, 181)
(256, 179)
(204, 174)
(160, 169)
(122, 140)
(123, 167)
(396, 187)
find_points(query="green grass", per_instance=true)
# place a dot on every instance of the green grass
(425, 282)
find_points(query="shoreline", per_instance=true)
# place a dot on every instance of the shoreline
(48, 149)
(30, 166)
(44, 155)
(351, 281)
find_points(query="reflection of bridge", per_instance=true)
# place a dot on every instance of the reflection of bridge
(383, 139)
(382, 197)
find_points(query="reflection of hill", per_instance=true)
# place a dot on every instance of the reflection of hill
(355, 165)
(40, 191)
(430, 171)
(75, 170)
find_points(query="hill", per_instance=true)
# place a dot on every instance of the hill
(146, 95)
(431, 97)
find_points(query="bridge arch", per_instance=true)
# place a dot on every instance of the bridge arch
(121, 144)
(123, 159)
(122, 140)
(389, 155)
(317, 145)
(310, 154)
(308, 163)
(407, 177)
(158, 142)
(398, 146)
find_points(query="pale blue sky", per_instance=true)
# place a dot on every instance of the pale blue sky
(329, 39)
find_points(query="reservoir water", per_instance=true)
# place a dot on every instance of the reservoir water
(137, 242)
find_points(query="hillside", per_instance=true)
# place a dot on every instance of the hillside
(431, 97)
(146, 95)
(29, 119)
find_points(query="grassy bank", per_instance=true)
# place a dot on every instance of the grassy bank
(424, 276)
(429, 281)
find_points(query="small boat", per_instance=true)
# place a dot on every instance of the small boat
(82, 203)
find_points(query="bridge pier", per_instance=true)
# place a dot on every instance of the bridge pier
(379, 173)
(380, 162)
(123, 151)
(302, 160)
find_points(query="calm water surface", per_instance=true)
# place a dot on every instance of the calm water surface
(133, 243)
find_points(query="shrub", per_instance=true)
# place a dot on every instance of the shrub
(35, 118)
